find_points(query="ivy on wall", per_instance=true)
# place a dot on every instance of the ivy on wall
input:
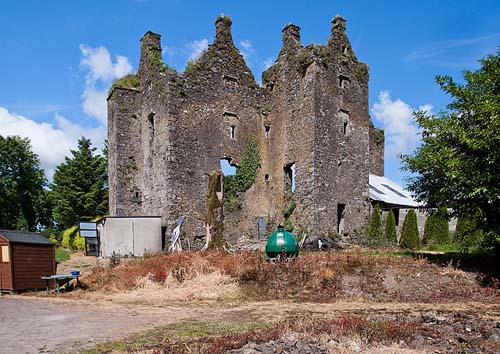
(244, 177)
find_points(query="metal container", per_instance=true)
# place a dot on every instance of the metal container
(281, 243)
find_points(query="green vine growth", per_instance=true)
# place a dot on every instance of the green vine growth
(245, 175)
(154, 56)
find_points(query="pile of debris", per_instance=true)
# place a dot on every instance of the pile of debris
(286, 344)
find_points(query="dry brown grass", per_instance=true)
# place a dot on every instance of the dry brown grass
(313, 277)
(370, 332)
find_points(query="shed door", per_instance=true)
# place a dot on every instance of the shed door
(5, 267)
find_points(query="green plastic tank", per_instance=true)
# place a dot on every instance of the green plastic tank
(281, 242)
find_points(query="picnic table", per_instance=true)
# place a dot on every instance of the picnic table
(57, 277)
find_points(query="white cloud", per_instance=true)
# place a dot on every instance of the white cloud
(94, 103)
(197, 47)
(402, 135)
(445, 52)
(266, 64)
(51, 142)
(247, 50)
(101, 71)
(246, 44)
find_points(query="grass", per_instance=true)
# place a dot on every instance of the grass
(219, 337)
(63, 254)
(180, 332)
(450, 247)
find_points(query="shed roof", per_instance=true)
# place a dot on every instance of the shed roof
(384, 190)
(25, 237)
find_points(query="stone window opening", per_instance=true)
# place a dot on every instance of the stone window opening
(230, 82)
(289, 170)
(344, 49)
(344, 82)
(227, 168)
(136, 195)
(151, 119)
(266, 178)
(267, 128)
(344, 118)
(232, 131)
(340, 218)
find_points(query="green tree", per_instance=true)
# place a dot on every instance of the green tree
(375, 227)
(390, 234)
(409, 233)
(79, 189)
(21, 184)
(467, 234)
(437, 230)
(457, 163)
(429, 229)
(441, 227)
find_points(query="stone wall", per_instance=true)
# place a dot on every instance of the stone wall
(310, 115)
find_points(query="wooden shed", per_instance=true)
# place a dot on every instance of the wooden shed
(25, 257)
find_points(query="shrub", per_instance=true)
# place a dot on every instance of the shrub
(53, 234)
(428, 229)
(375, 228)
(390, 235)
(409, 233)
(71, 239)
(467, 234)
(437, 230)
(441, 228)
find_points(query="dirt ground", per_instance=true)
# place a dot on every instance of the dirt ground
(461, 312)
(37, 325)
(79, 261)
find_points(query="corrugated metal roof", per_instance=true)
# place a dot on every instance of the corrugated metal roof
(25, 237)
(384, 190)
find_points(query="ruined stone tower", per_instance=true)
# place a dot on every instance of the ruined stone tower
(168, 132)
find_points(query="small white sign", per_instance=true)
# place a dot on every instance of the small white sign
(88, 233)
(88, 226)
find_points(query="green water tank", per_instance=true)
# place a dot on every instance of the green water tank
(281, 242)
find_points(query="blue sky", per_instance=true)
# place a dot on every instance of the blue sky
(59, 57)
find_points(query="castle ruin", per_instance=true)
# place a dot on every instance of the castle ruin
(168, 132)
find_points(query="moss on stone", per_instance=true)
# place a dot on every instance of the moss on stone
(154, 56)
(362, 73)
(190, 67)
(288, 211)
(378, 136)
(304, 60)
(226, 19)
(128, 81)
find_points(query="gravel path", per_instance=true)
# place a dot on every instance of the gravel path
(37, 325)
(57, 325)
